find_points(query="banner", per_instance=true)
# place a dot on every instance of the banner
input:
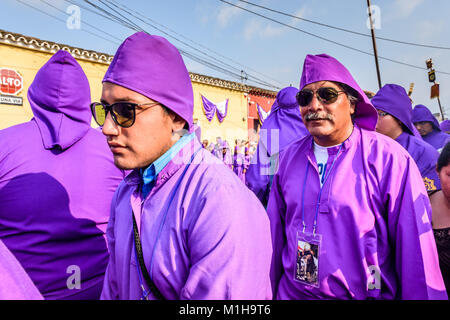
(210, 109)
(262, 114)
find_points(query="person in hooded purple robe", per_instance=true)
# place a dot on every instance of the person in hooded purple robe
(394, 120)
(226, 155)
(15, 282)
(182, 225)
(445, 126)
(428, 127)
(283, 126)
(353, 199)
(56, 186)
(238, 160)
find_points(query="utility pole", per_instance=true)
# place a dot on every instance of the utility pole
(374, 43)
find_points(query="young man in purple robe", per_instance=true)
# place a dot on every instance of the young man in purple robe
(354, 197)
(428, 127)
(283, 126)
(57, 180)
(394, 120)
(182, 225)
(15, 282)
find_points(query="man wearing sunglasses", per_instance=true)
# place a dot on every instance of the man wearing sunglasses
(394, 120)
(182, 226)
(428, 127)
(355, 196)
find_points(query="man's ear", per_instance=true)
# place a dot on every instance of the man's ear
(178, 124)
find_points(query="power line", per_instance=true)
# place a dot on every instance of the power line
(63, 21)
(124, 21)
(253, 78)
(328, 40)
(194, 42)
(342, 29)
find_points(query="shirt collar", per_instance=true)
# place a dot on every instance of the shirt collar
(149, 174)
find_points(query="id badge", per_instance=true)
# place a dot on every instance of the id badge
(307, 258)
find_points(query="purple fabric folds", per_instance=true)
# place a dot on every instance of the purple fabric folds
(15, 282)
(153, 67)
(57, 184)
(214, 242)
(211, 108)
(445, 125)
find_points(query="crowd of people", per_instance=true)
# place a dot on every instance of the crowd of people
(344, 197)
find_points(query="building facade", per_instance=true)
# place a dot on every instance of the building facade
(22, 56)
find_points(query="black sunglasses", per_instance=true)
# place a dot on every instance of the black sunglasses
(122, 113)
(325, 95)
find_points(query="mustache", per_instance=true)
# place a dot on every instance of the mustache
(318, 116)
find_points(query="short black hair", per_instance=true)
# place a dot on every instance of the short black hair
(444, 157)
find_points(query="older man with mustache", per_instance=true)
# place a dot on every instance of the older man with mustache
(352, 199)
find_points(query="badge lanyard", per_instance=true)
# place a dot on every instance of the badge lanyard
(145, 293)
(308, 245)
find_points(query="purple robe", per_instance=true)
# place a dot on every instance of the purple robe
(227, 158)
(436, 138)
(445, 126)
(394, 100)
(199, 252)
(56, 185)
(15, 282)
(374, 214)
(238, 165)
(283, 126)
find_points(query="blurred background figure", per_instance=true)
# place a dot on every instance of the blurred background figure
(239, 159)
(283, 126)
(15, 282)
(445, 126)
(57, 179)
(226, 155)
(440, 203)
(428, 127)
(394, 120)
(205, 143)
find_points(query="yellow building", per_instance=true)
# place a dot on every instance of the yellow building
(26, 55)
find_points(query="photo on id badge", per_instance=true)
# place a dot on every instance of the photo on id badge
(307, 262)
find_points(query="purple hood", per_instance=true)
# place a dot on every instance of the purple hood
(394, 100)
(323, 67)
(421, 113)
(59, 97)
(445, 125)
(284, 116)
(153, 67)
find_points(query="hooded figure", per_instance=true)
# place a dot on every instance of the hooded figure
(180, 206)
(57, 181)
(428, 127)
(226, 156)
(283, 126)
(445, 126)
(396, 123)
(356, 197)
(15, 282)
(239, 161)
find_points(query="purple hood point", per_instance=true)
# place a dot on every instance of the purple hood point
(323, 67)
(59, 97)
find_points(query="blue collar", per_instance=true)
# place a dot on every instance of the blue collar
(148, 175)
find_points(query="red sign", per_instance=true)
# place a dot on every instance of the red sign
(11, 82)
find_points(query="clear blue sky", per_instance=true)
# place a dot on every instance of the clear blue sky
(264, 49)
